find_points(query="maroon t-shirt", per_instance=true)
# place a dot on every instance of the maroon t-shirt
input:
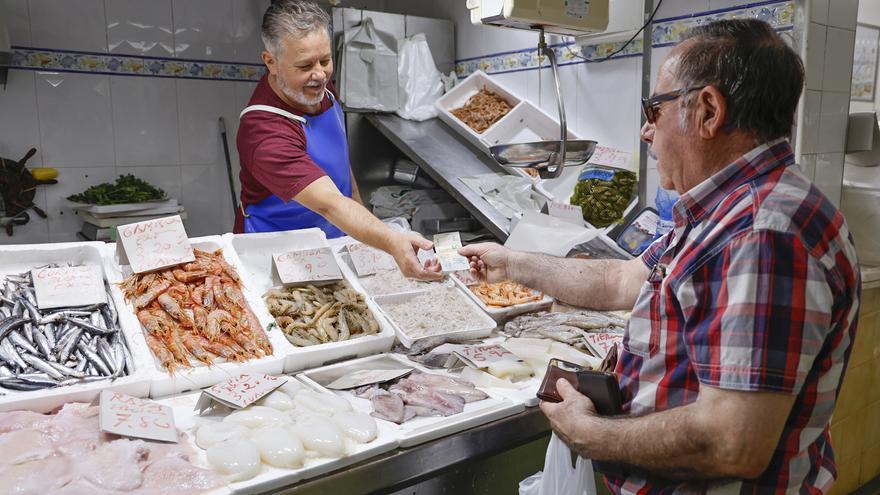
(272, 151)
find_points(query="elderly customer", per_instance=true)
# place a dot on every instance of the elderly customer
(295, 170)
(743, 316)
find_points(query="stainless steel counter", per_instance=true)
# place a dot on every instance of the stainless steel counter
(446, 156)
(406, 467)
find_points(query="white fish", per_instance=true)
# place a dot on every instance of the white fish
(291, 387)
(236, 459)
(277, 400)
(257, 416)
(322, 403)
(210, 433)
(279, 447)
(321, 435)
(357, 426)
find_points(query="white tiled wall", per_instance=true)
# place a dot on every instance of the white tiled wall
(827, 49)
(869, 13)
(95, 127)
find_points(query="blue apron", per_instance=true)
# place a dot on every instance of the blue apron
(327, 146)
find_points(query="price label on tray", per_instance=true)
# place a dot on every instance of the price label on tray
(611, 157)
(600, 343)
(446, 246)
(368, 260)
(476, 356)
(239, 392)
(153, 244)
(366, 377)
(307, 265)
(68, 286)
(564, 211)
(137, 418)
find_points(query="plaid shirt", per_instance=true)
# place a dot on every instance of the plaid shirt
(755, 289)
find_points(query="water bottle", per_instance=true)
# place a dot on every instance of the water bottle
(664, 200)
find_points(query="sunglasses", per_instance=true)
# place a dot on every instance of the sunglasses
(651, 106)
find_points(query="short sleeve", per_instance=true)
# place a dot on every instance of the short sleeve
(279, 161)
(756, 314)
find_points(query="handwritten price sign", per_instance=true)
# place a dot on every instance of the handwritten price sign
(569, 213)
(241, 391)
(368, 260)
(601, 343)
(138, 418)
(307, 265)
(611, 157)
(68, 286)
(154, 244)
(484, 355)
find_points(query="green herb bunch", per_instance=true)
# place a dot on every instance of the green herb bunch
(127, 189)
(603, 202)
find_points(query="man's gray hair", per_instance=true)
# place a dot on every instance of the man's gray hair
(291, 18)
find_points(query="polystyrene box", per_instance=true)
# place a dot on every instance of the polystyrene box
(461, 93)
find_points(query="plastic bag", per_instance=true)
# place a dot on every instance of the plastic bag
(419, 80)
(366, 77)
(558, 476)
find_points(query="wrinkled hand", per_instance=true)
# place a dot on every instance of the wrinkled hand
(405, 247)
(567, 417)
(489, 261)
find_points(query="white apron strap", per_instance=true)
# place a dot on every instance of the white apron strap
(276, 110)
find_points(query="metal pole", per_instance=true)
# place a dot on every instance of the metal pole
(647, 36)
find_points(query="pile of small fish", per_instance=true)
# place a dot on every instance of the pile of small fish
(312, 315)
(55, 347)
(196, 311)
(567, 327)
(419, 394)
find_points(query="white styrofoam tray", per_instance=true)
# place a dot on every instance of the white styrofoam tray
(348, 270)
(478, 330)
(502, 314)
(461, 93)
(199, 375)
(21, 258)
(254, 252)
(271, 477)
(417, 430)
(123, 207)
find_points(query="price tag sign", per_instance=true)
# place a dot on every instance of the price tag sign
(239, 392)
(307, 265)
(476, 356)
(137, 418)
(368, 260)
(446, 246)
(153, 244)
(366, 377)
(611, 157)
(600, 343)
(570, 213)
(69, 286)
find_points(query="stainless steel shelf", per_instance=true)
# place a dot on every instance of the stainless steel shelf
(446, 156)
(405, 467)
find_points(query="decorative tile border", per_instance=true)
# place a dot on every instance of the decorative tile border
(778, 13)
(131, 65)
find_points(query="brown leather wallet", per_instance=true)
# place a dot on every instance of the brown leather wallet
(600, 386)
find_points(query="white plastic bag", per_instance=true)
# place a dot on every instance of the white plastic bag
(367, 76)
(559, 477)
(418, 79)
